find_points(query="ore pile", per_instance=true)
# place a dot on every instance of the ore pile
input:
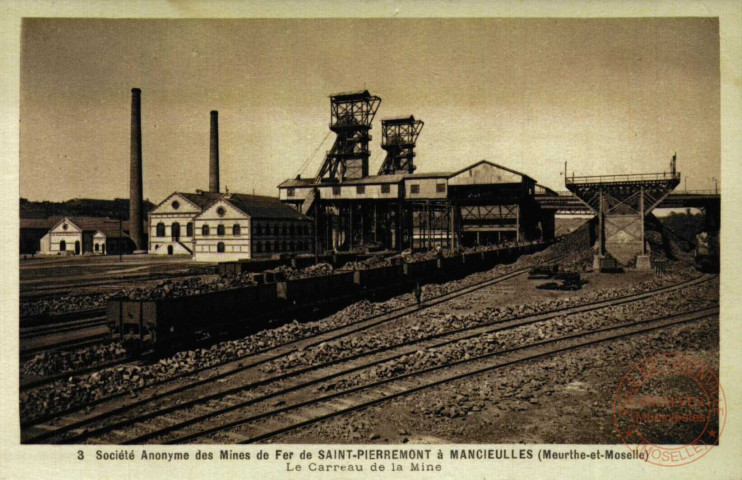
(703, 296)
(81, 389)
(290, 273)
(182, 288)
(435, 323)
(376, 261)
(51, 363)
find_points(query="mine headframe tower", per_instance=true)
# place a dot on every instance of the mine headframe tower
(351, 115)
(398, 138)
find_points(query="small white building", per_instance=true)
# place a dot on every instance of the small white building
(215, 227)
(78, 235)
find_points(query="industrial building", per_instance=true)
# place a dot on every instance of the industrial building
(79, 235)
(214, 226)
(397, 208)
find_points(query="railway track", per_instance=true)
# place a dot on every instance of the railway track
(56, 328)
(234, 366)
(70, 317)
(296, 416)
(111, 419)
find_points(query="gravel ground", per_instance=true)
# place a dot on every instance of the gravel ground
(82, 389)
(566, 398)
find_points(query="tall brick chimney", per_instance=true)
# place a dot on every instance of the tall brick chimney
(214, 153)
(135, 172)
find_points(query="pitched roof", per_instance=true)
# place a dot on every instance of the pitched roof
(494, 165)
(201, 199)
(259, 206)
(109, 226)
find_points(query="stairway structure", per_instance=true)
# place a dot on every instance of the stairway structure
(622, 203)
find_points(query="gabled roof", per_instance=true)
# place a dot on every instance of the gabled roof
(201, 199)
(107, 226)
(259, 206)
(494, 165)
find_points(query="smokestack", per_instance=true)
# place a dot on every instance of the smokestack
(214, 153)
(135, 172)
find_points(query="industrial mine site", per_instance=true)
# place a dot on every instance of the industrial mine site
(368, 307)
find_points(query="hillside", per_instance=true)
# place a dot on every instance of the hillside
(80, 207)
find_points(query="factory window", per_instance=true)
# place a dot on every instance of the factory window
(276, 246)
(284, 246)
(268, 247)
(290, 192)
(236, 229)
(414, 189)
(291, 229)
(360, 189)
(291, 246)
(220, 247)
(160, 229)
(440, 187)
(386, 188)
(189, 229)
(205, 230)
(299, 246)
(62, 246)
(258, 247)
(336, 190)
(220, 230)
(283, 229)
(275, 229)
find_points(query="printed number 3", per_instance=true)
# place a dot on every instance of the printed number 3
(80, 455)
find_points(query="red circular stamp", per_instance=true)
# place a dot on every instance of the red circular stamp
(669, 409)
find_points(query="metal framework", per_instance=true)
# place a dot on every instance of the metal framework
(350, 118)
(622, 203)
(398, 138)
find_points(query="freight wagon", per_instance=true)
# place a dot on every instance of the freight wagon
(167, 322)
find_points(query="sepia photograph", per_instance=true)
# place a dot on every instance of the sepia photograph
(372, 231)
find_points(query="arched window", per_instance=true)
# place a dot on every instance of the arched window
(160, 229)
(205, 230)
(220, 230)
(189, 229)
(62, 246)
(220, 247)
(236, 229)
(97, 246)
(175, 231)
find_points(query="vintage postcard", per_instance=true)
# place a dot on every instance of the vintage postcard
(441, 243)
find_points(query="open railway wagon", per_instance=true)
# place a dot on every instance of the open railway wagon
(337, 260)
(166, 323)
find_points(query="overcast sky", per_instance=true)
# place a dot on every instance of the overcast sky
(607, 96)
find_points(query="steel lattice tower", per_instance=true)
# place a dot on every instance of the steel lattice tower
(398, 138)
(350, 118)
